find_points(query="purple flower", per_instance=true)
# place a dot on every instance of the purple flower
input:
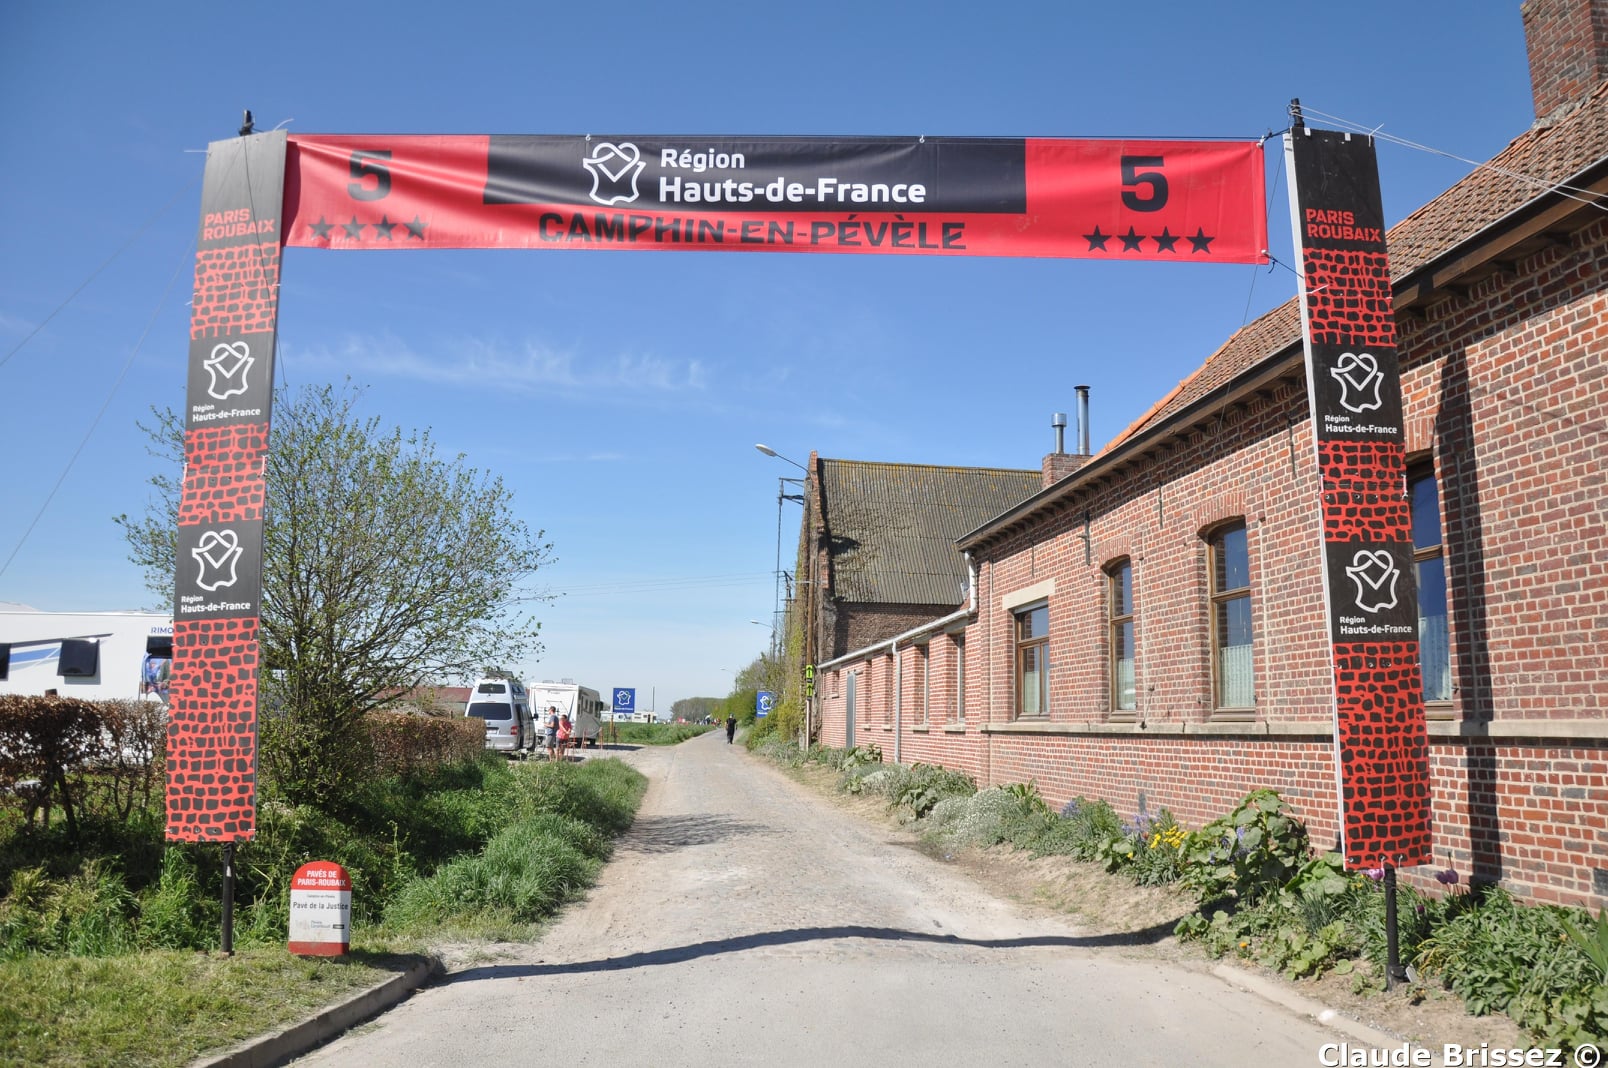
(1374, 873)
(1448, 877)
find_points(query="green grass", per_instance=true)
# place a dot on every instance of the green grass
(652, 733)
(166, 1008)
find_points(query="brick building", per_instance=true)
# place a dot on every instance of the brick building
(1149, 629)
(877, 548)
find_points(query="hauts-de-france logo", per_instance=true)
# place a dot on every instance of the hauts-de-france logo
(216, 556)
(1375, 575)
(1359, 377)
(227, 367)
(614, 170)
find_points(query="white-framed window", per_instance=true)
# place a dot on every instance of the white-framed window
(960, 677)
(1119, 584)
(1233, 670)
(924, 680)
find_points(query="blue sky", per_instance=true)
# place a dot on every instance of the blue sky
(620, 394)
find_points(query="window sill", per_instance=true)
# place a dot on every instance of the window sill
(954, 728)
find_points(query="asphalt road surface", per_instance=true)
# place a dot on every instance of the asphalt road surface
(745, 920)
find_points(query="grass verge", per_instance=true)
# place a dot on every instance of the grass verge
(78, 993)
(167, 1007)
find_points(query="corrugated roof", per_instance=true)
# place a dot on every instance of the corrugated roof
(893, 527)
(1532, 163)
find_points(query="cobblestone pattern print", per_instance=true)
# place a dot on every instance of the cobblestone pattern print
(1348, 298)
(1384, 749)
(226, 479)
(212, 731)
(236, 290)
(1363, 498)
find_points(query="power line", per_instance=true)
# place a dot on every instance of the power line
(146, 225)
(155, 312)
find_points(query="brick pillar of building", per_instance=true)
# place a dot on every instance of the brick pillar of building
(1567, 41)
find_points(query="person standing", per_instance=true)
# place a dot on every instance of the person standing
(564, 733)
(551, 726)
(731, 728)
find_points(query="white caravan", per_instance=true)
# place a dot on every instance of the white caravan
(580, 703)
(98, 656)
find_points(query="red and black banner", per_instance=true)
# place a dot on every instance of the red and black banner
(1189, 201)
(1370, 588)
(212, 715)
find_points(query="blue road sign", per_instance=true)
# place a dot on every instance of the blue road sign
(764, 701)
(624, 700)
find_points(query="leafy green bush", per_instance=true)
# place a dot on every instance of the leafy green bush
(999, 814)
(1248, 853)
(1499, 956)
(1083, 827)
(925, 785)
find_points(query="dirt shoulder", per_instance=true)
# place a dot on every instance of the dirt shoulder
(1139, 922)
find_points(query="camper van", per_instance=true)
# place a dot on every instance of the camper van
(505, 707)
(97, 656)
(580, 703)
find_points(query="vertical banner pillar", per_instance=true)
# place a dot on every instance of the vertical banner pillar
(1370, 589)
(212, 719)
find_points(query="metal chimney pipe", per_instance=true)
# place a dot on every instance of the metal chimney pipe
(1058, 421)
(1083, 420)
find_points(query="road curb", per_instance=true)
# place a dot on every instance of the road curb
(276, 1047)
(1277, 993)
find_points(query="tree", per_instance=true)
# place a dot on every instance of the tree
(693, 709)
(383, 565)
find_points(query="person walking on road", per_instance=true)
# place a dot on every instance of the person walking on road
(731, 728)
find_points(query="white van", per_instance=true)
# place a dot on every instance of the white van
(505, 707)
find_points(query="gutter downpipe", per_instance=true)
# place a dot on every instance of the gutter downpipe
(898, 699)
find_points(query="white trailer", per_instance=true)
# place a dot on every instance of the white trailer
(97, 656)
(580, 703)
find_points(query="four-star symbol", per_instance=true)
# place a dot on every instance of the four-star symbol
(322, 229)
(1166, 241)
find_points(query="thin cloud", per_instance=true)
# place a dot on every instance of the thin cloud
(473, 362)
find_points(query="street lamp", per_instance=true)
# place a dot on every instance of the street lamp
(781, 495)
(768, 451)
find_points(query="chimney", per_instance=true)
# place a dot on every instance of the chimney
(1567, 41)
(1083, 420)
(1059, 464)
